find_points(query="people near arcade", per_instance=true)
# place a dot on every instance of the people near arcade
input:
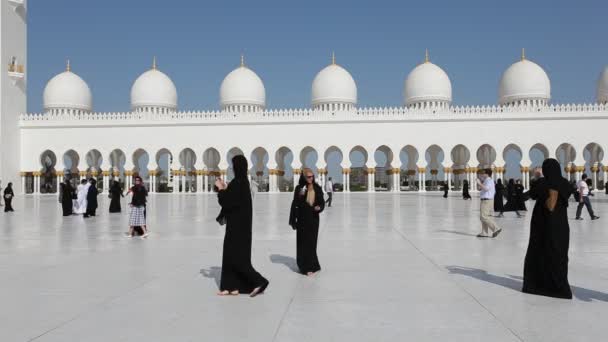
(91, 199)
(306, 206)
(486, 196)
(513, 199)
(137, 215)
(499, 206)
(238, 275)
(329, 189)
(8, 196)
(519, 196)
(66, 197)
(80, 205)
(465, 190)
(583, 199)
(115, 196)
(546, 262)
(1, 197)
(445, 189)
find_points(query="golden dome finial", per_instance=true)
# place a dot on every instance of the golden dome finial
(154, 66)
(242, 60)
(426, 56)
(67, 65)
(523, 54)
(333, 57)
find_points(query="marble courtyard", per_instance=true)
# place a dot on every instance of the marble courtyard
(396, 267)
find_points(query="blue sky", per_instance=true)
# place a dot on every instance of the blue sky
(197, 43)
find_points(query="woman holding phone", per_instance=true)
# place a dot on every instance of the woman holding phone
(308, 203)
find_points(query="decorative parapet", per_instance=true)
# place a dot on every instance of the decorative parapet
(472, 113)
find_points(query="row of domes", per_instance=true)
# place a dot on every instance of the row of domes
(242, 89)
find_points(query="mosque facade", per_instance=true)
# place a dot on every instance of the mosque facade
(414, 147)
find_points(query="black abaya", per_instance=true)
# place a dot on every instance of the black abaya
(237, 271)
(499, 206)
(8, 199)
(91, 200)
(546, 262)
(305, 220)
(465, 191)
(115, 195)
(67, 197)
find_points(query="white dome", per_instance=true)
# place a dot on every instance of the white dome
(67, 90)
(427, 83)
(334, 84)
(602, 87)
(524, 80)
(153, 89)
(242, 86)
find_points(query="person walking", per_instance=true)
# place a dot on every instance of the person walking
(137, 216)
(499, 205)
(583, 199)
(92, 193)
(80, 205)
(115, 196)
(8, 196)
(1, 197)
(329, 189)
(465, 190)
(238, 275)
(66, 196)
(306, 206)
(546, 262)
(512, 198)
(486, 195)
(446, 189)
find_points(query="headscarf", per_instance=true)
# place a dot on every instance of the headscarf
(310, 195)
(553, 176)
(239, 165)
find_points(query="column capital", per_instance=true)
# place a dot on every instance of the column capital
(346, 170)
(297, 171)
(105, 173)
(605, 168)
(447, 169)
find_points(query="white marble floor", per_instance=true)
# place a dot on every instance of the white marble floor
(395, 268)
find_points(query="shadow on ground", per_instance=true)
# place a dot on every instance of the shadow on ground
(214, 273)
(516, 282)
(285, 260)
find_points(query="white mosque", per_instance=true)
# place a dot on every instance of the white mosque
(414, 147)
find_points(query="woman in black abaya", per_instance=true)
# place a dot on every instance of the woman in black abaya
(499, 205)
(67, 198)
(512, 198)
(465, 190)
(115, 195)
(546, 263)
(8, 198)
(238, 275)
(307, 204)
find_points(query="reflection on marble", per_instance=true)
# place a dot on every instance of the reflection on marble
(396, 267)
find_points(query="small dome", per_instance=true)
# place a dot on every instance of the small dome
(67, 91)
(242, 86)
(522, 81)
(427, 83)
(153, 89)
(334, 85)
(602, 87)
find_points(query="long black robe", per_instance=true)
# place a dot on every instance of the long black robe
(115, 195)
(465, 190)
(8, 199)
(237, 271)
(499, 205)
(92, 200)
(67, 197)
(546, 262)
(512, 200)
(520, 201)
(305, 220)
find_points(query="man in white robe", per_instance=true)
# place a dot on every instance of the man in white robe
(80, 206)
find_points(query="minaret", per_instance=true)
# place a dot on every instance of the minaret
(13, 62)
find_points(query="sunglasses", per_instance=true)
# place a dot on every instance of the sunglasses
(310, 177)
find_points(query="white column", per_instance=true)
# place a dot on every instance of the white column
(106, 182)
(205, 183)
(347, 183)
(296, 175)
(370, 180)
(37, 184)
(59, 180)
(449, 174)
(605, 180)
(199, 182)
(343, 181)
(23, 183)
(424, 181)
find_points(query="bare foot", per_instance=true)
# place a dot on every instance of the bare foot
(310, 274)
(223, 293)
(234, 293)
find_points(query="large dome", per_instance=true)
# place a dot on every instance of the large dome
(427, 83)
(67, 91)
(242, 87)
(153, 89)
(602, 87)
(524, 81)
(334, 85)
